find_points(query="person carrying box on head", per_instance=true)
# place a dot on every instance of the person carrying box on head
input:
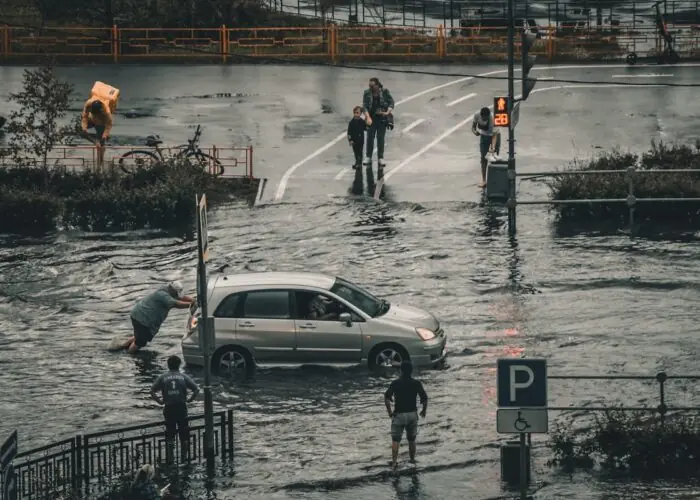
(98, 113)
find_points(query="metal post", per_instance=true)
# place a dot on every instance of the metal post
(523, 467)
(511, 99)
(206, 344)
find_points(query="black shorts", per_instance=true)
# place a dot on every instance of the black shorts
(142, 334)
(176, 422)
(99, 130)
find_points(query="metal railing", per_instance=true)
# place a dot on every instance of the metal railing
(661, 378)
(455, 13)
(631, 200)
(88, 463)
(237, 162)
(333, 43)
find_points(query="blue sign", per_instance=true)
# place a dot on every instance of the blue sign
(521, 383)
(9, 484)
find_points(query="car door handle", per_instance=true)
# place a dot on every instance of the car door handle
(247, 323)
(308, 326)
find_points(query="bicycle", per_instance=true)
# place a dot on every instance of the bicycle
(189, 151)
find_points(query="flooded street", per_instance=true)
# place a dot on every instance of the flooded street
(590, 303)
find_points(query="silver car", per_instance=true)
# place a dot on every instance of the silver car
(307, 318)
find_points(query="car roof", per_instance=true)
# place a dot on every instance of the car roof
(317, 280)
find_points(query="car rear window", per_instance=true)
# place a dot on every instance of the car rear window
(267, 304)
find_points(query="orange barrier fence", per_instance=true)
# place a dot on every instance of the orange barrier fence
(237, 162)
(333, 42)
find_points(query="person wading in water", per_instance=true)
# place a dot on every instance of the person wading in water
(404, 391)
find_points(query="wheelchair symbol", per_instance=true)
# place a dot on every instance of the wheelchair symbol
(521, 424)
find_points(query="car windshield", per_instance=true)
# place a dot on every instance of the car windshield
(360, 298)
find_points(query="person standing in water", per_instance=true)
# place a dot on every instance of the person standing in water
(489, 138)
(149, 313)
(404, 391)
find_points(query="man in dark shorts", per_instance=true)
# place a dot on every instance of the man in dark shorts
(173, 386)
(150, 312)
(404, 391)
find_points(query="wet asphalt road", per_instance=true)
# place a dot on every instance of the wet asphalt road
(591, 304)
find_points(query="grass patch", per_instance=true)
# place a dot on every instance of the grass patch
(646, 185)
(158, 196)
(634, 444)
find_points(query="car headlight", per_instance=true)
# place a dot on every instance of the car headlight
(425, 334)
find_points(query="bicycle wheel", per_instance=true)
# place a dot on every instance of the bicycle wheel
(132, 160)
(207, 162)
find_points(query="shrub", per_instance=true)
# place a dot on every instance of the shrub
(159, 196)
(632, 443)
(652, 185)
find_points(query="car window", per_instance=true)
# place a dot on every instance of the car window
(360, 298)
(228, 307)
(319, 307)
(267, 304)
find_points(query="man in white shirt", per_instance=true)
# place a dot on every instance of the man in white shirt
(490, 138)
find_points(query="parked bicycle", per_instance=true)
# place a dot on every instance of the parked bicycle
(131, 160)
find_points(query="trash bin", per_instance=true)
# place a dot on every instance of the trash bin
(497, 185)
(510, 463)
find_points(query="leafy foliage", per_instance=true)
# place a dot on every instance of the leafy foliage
(646, 185)
(632, 443)
(35, 128)
(157, 196)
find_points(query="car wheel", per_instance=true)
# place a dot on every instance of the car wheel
(387, 356)
(233, 362)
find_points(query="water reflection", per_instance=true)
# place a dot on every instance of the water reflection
(491, 217)
(407, 488)
(375, 219)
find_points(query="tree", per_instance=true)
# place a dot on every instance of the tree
(36, 127)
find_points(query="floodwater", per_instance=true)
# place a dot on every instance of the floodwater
(591, 303)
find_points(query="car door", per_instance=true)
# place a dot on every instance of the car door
(225, 319)
(266, 326)
(326, 340)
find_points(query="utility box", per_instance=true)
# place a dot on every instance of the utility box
(497, 185)
(510, 463)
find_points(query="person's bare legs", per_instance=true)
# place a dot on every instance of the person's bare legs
(484, 164)
(132, 346)
(394, 453)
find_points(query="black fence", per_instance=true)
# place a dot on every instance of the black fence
(80, 466)
(452, 14)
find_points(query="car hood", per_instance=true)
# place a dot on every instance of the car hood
(411, 316)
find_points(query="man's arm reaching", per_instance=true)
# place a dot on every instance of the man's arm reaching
(388, 395)
(157, 386)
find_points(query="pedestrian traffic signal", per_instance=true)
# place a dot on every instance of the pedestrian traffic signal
(528, 40)
(501, 115)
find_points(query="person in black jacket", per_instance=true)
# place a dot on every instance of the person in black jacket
(356, 135)
(404, 391)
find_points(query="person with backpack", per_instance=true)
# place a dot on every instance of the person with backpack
(378, 105)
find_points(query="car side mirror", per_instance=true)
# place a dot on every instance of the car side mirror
(345, 318)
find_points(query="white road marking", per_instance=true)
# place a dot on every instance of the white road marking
(463, 98)
(287, 175)
(290, 171)
(461, 124)
(414, 125)
(644, 75)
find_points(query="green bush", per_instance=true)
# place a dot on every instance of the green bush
(651, 185)
(632, 443)
(159, 196)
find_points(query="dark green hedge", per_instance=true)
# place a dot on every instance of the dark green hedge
(650, 185)
(636, 444)
(162, 196)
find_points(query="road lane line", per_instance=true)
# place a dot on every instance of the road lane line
(282, 187)
(644, 75)
(461, 124)
(414, 125)
(463, 98)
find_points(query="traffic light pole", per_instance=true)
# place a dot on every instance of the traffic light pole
(511, 103)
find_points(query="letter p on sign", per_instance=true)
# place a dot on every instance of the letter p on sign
(514, 385)
(521, 383)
